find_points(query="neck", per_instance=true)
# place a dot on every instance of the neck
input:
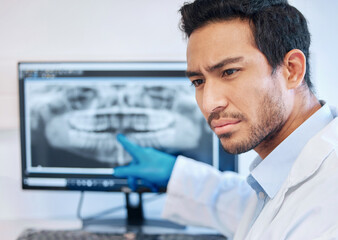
(304, 107)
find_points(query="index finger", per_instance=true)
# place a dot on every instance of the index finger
(126, 171)
(132, 148)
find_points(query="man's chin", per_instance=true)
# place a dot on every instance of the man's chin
(233, 147)
(225, 136)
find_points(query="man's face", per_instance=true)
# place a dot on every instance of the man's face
(243, 101)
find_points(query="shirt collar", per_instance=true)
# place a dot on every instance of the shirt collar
(269, 175)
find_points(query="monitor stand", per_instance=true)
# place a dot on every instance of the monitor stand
(134, 221)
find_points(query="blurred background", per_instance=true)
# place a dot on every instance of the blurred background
(110, 30)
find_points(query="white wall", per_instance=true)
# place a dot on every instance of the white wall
(108, 30)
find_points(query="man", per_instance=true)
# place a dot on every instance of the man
(249, 63)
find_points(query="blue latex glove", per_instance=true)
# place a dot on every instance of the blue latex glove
(153, 167)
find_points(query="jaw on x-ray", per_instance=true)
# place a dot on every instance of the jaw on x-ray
(84, 120)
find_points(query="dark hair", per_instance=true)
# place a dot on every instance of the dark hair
(277, 27)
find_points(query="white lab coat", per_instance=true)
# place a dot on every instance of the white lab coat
(306, 206)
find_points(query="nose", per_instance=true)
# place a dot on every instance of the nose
(214, 97)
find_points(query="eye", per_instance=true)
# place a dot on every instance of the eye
(229, 72)
(197, 82)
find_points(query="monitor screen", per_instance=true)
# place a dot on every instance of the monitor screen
(71, 112)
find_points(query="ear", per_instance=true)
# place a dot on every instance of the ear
(295, 63)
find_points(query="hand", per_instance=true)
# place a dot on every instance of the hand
(153, 167)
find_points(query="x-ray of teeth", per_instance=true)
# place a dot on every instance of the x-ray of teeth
(128, 119)
(84, 119)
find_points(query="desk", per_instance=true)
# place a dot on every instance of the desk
(11, 229)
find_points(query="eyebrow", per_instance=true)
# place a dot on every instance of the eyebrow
(216, 66)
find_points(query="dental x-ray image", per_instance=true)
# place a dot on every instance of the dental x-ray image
(74, 124)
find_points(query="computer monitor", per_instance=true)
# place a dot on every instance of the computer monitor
(71, 112)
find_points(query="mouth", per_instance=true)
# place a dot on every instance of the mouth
(226, 126)
(117, 119)
(92, 133)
